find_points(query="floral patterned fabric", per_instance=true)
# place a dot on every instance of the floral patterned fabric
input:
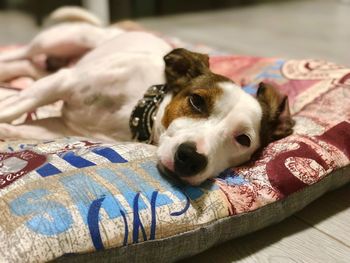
(77, 195)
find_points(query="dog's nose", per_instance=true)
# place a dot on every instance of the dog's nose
(187, 161)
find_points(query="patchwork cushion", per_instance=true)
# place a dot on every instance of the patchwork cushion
(67, 198)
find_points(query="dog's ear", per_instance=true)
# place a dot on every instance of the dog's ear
(182, 65)
(276, 121)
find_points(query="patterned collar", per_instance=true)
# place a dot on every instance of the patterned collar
(144, 113)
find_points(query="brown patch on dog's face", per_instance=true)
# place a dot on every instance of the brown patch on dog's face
(276, 122)
(196, 100)
(194, 86)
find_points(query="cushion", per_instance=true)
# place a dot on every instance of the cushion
(75, 199)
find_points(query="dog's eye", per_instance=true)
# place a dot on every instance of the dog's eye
(243, 140)
(197, 103)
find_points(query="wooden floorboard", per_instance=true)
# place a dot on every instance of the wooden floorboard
(331, 215)
(291, 29)
(289, 241)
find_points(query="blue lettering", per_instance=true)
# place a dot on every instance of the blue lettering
(84, 190)
(47, 217)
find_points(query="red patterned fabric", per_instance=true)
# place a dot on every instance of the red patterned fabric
(319, 95)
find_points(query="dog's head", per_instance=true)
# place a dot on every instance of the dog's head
(211, 123)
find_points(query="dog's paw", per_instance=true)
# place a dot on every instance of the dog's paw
(8, 131)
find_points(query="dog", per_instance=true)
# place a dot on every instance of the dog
(134, 86)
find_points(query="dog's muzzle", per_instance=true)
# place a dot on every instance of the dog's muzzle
(187, 161)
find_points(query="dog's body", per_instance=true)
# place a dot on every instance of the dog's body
(205, 123)
(101, 90)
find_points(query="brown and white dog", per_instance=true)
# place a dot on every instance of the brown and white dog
(204, 123)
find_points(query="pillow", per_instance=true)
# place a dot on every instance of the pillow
(75, 199)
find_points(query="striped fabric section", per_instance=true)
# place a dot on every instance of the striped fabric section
(109, 154)
(47, 170)
(69, 160)
(76, 160)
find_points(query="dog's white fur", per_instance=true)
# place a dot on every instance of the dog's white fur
(100, 91)
(235, 113)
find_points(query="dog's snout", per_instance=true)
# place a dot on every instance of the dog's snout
(187, 161)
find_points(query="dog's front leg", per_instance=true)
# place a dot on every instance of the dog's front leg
(20, 68)
(44, 129)
(15, 54)
(42, 92)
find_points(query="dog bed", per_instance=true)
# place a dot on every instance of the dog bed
(78, 199)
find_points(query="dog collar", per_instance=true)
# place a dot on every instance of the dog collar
(144, 113)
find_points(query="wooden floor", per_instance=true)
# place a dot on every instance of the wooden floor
(285, 28)
(294, 29)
